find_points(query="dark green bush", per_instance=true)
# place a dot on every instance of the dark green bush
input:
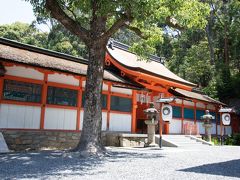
(233, 140)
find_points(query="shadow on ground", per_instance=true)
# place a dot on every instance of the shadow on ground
(54, 163)
(228, 168)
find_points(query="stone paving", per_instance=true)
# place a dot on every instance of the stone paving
(126, 163)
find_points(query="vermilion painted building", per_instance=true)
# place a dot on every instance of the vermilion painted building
(43, 91)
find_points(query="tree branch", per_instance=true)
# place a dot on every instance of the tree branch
(137, 31)
(56, 12)
(172, 23)
(125, 20)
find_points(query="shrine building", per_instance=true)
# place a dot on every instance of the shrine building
(42, 92)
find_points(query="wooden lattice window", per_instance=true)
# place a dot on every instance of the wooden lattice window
(62, 96)
(121, 104)
(22, 91)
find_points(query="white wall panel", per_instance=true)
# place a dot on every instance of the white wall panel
(19, 116)
(121, 90)
(120, 122)
(56, 118)
(105, 87)
(63, 79)
(83, 84)
(228, 130)
(104, 120)
(213, 130)
(201, 105)
(189, 103)
(219, 129)
(24, 72)
(178, 101)
(200, 128)
(210, 107)
(175, 126)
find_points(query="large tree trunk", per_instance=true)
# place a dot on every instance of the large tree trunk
(90, 140)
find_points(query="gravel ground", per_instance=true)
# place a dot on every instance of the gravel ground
(126, 163)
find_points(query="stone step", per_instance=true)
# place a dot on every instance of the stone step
(182, 141)
(3, 145)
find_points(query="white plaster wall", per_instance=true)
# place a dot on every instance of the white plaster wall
(56, 118)
(24, 72)
(104, 120)
(228, 130)
(210, 107)
(19, 116)
(121, 90)
(105, 87)
(178, 101)
(189, 103)
(120, 122)
(219, 129)
(200, 128)
(63, 79)
(213, 130)
(175, 126)
(200, 105)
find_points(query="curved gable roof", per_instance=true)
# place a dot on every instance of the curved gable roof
(131, 61)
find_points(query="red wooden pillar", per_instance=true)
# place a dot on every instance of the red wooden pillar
(160, 120)
(195, 112)
(108, 105)
(79, 105)
(182, 108)
(1, 88)
(43, 100)
(166, 127)
(221, 125)
(216, 118)
(134, 110)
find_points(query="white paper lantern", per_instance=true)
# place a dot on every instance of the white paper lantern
(226, 119)
(166, 112)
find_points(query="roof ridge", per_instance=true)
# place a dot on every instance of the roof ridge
(48, 52)
(113, 43)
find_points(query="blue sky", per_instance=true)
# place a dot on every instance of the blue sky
(15, 10)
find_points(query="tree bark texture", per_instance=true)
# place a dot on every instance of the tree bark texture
(95, 38)
(90, 140)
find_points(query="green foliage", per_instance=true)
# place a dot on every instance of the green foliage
(143, 15)
(24, 33)
(61, 40)
(197, 65)
(58, 39)
(215, 141)
(188, 52)
(233, 140)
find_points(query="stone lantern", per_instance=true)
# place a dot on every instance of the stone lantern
(151, 123)
(207, 124)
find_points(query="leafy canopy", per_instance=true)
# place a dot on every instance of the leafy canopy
(140, 16)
